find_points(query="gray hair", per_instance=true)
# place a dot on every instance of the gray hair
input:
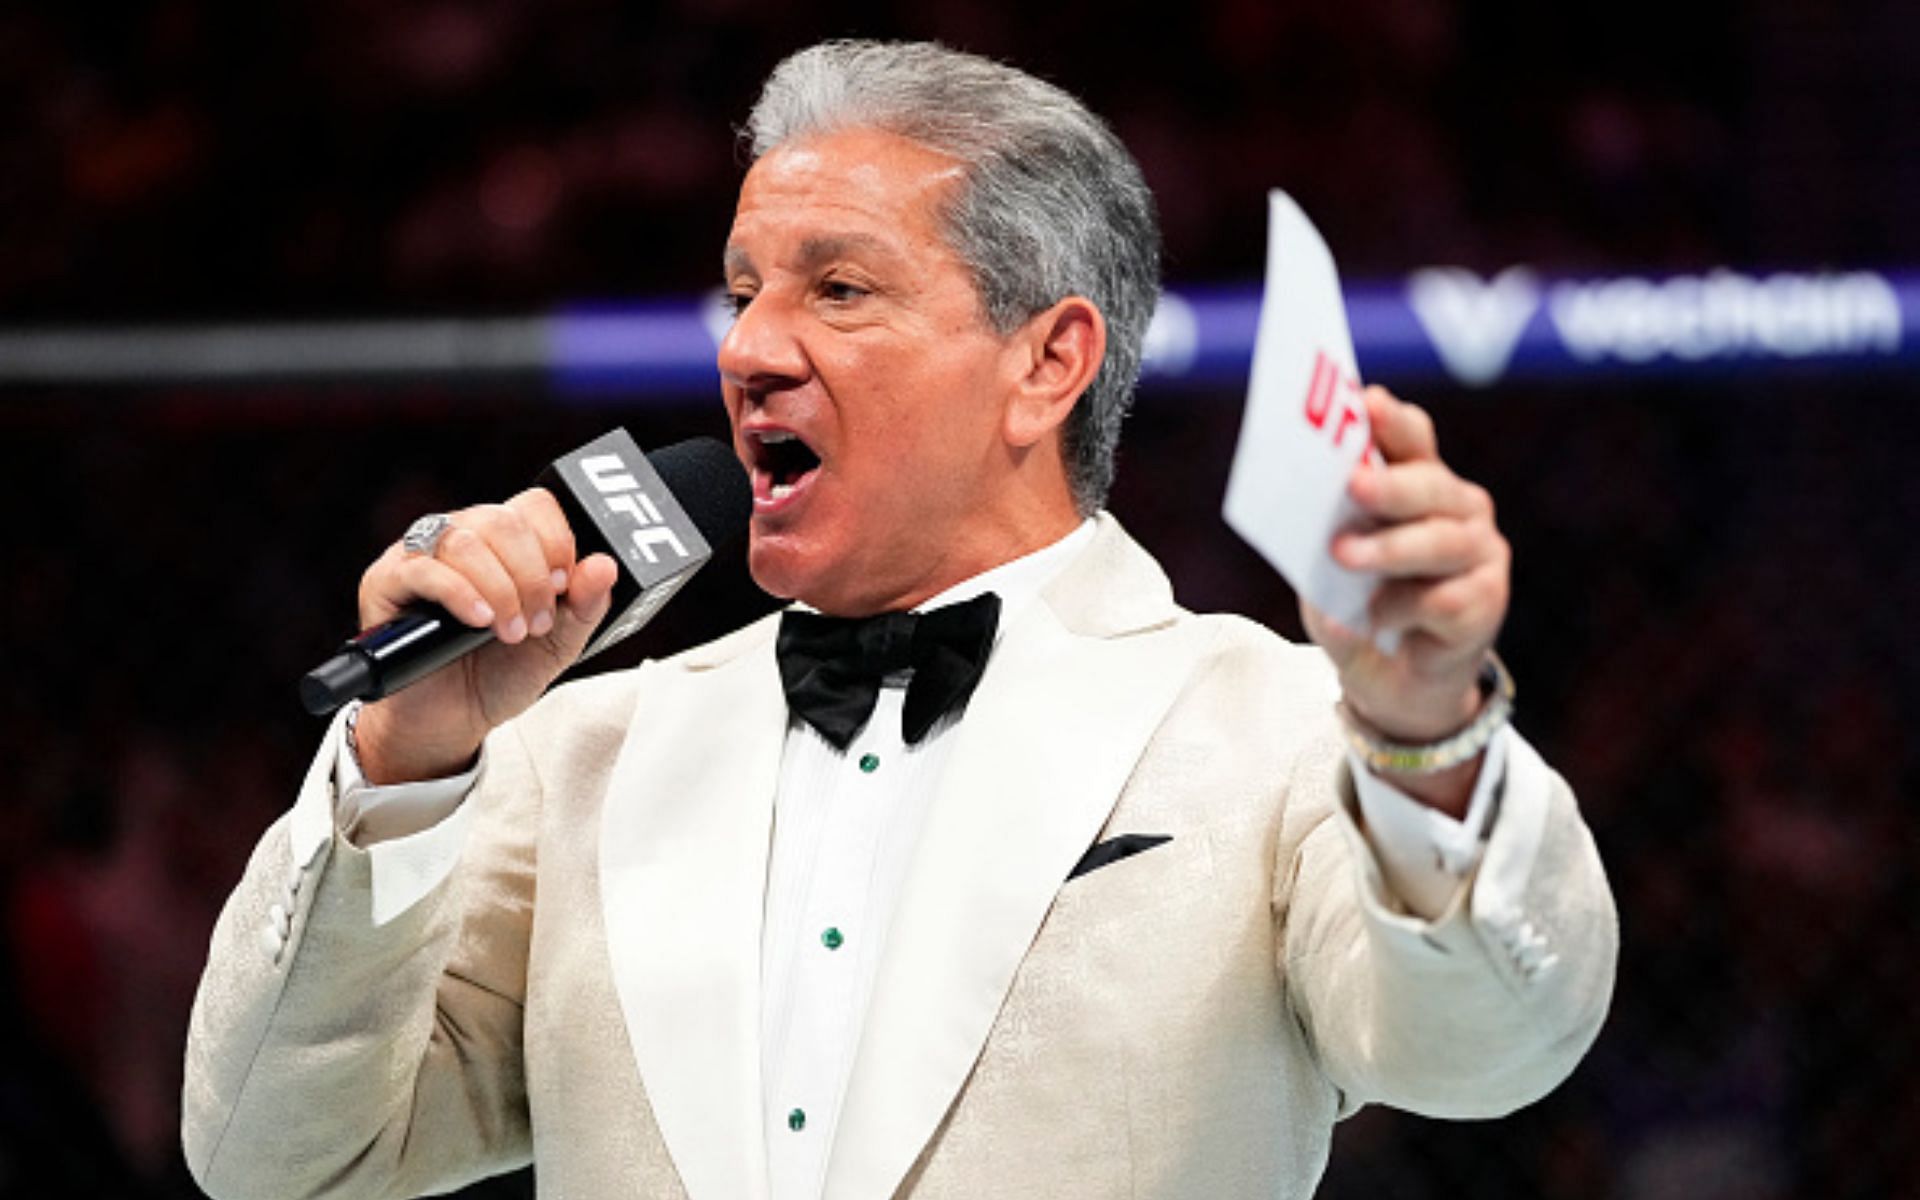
(1051, 204)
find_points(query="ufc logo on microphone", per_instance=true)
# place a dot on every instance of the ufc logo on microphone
(621, 491)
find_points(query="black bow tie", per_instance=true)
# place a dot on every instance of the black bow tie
(832, 666)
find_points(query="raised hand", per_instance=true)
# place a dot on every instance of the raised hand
(1445, 582)
(506, 566)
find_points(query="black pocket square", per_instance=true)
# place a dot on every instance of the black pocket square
(1114, 849)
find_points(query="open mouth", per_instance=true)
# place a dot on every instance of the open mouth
(783, 463)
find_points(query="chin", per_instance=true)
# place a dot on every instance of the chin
(790, 569)
(782, 568)
(769, 569)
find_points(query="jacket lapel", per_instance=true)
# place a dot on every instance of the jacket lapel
(1062, 714)
(683, 868)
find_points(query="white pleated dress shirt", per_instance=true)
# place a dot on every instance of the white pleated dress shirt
(845, 825)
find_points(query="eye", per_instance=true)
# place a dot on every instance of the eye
(736, 302)
(840, 291)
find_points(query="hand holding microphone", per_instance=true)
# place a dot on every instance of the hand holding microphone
(468, 626)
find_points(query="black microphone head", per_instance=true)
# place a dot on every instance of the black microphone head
(659, 515)
(707, 479)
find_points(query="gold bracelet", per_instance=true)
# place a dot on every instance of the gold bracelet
(1383, 756)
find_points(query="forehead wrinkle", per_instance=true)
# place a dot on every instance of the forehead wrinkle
(824, 248)
(814, 252)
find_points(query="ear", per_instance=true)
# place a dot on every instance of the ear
(1056, 355)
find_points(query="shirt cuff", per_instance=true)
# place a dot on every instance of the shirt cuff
(1426, 855)
(369, 813)
(412, 832)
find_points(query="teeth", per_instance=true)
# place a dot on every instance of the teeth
(780, 491)
(774, 437)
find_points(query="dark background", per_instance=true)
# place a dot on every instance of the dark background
(1714, 577)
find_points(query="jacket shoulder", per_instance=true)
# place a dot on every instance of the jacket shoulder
(1229, 641)
(1249, 677)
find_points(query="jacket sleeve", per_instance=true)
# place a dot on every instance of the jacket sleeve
(1477, 1012)
(330, 1054)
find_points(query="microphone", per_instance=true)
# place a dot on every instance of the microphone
(659, 515)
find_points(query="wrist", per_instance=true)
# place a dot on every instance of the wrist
(1389, 756)
(387, 758)
(1431, 716)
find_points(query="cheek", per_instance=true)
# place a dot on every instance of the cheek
(917, 418)
(733, 403)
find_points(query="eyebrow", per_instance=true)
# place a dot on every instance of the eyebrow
(814, 251)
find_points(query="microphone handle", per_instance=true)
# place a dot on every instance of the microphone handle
(380, 661)
(657, 514)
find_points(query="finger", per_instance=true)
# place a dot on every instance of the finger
(588, 592)
(591, 582)
(543, 514)
(520, 553)
(1408, 490)
(1402, 432)
(1434, 547)
(473, 555)
(394, 582)
(1462, 612)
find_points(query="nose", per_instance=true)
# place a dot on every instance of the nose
(762, 350)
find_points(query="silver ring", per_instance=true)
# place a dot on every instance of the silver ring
(423, 536)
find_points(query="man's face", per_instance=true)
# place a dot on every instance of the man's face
(863, 382)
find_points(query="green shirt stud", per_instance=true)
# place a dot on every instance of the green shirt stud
(869, 763)
(797, 1120)
(831, 939)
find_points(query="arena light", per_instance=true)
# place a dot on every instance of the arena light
(1437, 324)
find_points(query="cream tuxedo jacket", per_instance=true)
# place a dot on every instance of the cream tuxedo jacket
(582, 991)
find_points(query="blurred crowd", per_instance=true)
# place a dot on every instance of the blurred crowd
(173, 157)
(1709, 617)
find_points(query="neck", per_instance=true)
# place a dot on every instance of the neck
(966, 559)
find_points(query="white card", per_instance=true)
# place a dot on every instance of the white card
(1305, 426)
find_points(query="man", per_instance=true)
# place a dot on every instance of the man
(1119, 917)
